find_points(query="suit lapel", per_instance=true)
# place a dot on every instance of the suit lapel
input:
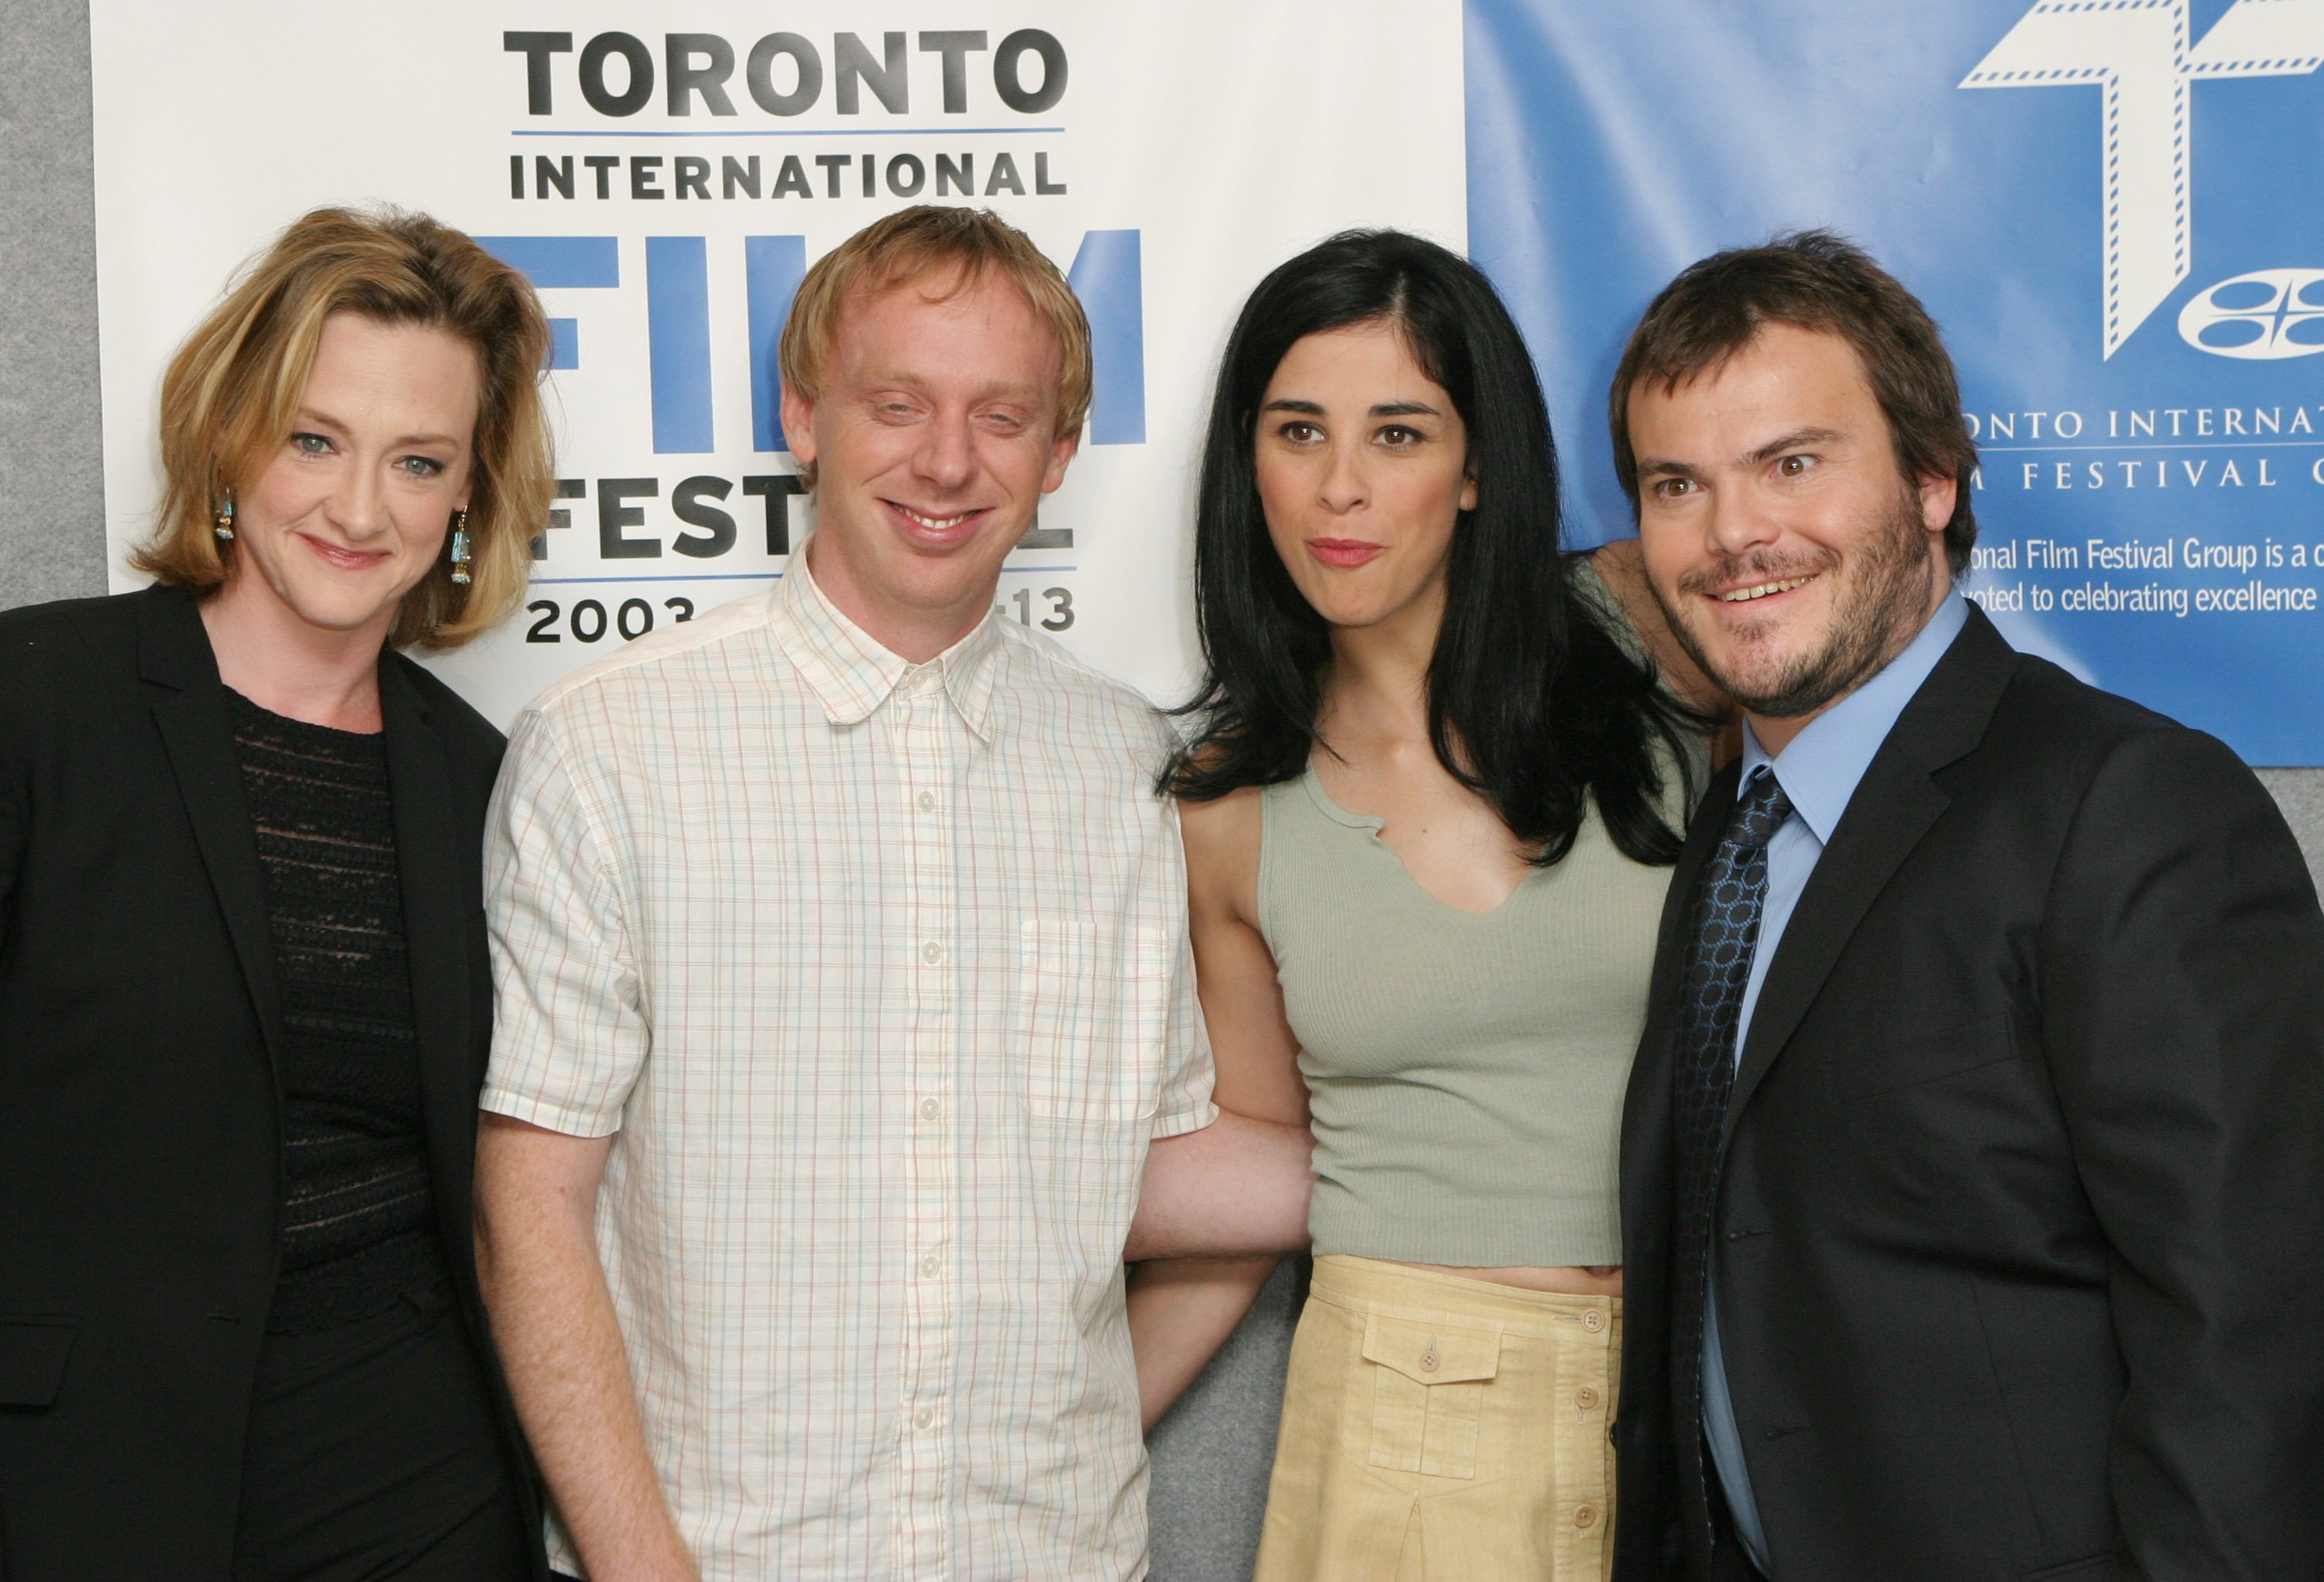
(174, 651)
(1894, 807)
(1897, 809)
(434, 922)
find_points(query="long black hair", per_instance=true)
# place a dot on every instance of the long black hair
(1532, 704)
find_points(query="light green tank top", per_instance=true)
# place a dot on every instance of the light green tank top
(1466, 1069)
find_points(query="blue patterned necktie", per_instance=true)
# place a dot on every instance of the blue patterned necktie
(1729, 895)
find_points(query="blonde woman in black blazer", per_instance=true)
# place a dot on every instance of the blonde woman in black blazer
(245, 998)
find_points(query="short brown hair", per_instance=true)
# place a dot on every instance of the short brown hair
(1817, 280)
(232, 391)
(927, 239)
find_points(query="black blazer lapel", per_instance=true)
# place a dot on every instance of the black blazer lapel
(174, 652)
(1893, 808)
(429, 868)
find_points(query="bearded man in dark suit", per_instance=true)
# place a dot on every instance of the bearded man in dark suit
(1973, 1168)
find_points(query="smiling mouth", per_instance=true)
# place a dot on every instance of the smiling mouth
(1736, 596)
(935, 524)
(341, 556)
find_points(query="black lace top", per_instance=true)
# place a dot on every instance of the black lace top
(359, 1221)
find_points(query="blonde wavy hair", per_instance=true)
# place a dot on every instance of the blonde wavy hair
(231, 393)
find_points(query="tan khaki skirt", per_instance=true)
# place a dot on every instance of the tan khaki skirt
(1438, 1429)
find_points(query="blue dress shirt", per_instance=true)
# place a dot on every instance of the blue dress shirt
(1820, 773)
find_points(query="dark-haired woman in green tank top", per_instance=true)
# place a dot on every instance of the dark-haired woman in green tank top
(1429, 809)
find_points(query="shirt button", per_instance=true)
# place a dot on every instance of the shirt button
(1583, 1515)
(930, 1264)
(927, 801)
(1585, 1397)
(1593, 1320)
(922, 1417)
(930, 1109)
(932, 953)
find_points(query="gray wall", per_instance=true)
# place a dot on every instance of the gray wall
(1211, 1453)
(51, 494)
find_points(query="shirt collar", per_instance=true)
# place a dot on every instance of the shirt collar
(1822, 766)
(851, 674)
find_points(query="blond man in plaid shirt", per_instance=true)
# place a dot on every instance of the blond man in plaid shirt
(844, 996)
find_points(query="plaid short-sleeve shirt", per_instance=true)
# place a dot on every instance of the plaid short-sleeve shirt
(877, 974)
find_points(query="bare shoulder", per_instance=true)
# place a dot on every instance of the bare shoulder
(1222, 839)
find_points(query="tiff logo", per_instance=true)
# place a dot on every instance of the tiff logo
(2138, 50)
(2266, 314)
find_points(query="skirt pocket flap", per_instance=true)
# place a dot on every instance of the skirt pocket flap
(1431, 1354)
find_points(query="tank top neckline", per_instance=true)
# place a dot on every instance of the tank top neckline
(1370, 826)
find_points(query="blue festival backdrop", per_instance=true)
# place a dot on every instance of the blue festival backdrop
(2112, 209)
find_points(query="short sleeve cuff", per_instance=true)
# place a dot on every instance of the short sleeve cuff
(1178, 1123)
(572, 1120)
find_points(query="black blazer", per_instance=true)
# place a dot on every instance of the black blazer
(2020, 1242)
(139, 1148)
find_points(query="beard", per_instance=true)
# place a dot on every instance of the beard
(1880, 601)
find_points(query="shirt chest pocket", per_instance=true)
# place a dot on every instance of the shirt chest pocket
(1092, 999)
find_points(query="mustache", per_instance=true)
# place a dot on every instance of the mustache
(1759, 566)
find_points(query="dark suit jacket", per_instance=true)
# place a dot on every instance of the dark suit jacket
(138, 1150)
(2020, 1239)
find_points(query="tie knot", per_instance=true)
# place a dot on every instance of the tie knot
(1760, 811)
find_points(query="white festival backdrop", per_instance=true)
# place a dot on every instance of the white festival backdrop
(665, 174)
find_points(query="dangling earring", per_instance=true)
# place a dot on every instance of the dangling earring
(225, 527)
(460, 548)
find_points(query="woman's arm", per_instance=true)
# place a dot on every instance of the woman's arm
(1181, 1310)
